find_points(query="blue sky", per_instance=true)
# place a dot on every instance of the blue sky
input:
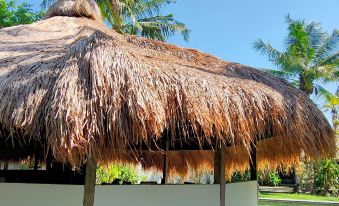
(227, 28)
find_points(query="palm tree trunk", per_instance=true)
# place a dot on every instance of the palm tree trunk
(335, 127)
(299, 181)
(334, 118)
(116, 14)
(303, 87)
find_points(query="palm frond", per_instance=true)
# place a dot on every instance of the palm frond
(278, 73)
(326, 96)
(327, 69)
(106, 11)
(128, 10)
(46, 3)
(315, 34)
(159, 27)
(286, 62)
(329, 44)
(288, 19)
(267, 50)
(144, 9)
(331, 59)
(299, 42)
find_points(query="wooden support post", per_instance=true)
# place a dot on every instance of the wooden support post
(165, 164)
(90, 179)
(217, 163)
(36, 157)
(253, 161)
(49, 159)
(36, 162)
(6, 166)
(219, 171)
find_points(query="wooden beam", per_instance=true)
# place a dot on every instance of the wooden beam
(184, 145)
(219, 171)
(90, 179)
(253, 161)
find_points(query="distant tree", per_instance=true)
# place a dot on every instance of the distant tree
(310, 55)
(12, 14)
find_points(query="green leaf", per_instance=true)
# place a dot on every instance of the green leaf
(12, 14)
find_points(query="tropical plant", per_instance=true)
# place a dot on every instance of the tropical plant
(121, 173)
(327, 177)
(241, 176)
(201, 177)
(12, 14)
(140, 17)
(269, 177)
(310, 56)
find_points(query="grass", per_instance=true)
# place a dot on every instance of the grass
(296, 196)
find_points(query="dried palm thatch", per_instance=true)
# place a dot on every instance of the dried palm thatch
(71, 86)
(75, 8)
(236, 159)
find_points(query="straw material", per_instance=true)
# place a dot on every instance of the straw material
(75, 8)
(71, 86)
(236, 158)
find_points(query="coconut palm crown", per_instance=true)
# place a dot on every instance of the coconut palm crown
(311, 55)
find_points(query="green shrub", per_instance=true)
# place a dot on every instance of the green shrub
(241, 177)
(123, 173)
(269, 178)
(326, 178)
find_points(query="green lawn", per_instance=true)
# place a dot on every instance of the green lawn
(297, 196)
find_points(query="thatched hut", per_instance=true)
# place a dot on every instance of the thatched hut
(75, 90)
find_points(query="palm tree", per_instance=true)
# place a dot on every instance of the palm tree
(331, 103)
(140, 17)
(311, 55)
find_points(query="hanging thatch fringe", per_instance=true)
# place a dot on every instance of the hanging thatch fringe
(237, 159)
(77, 88)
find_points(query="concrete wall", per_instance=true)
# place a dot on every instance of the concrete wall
(242, 194)
(238, 194)
(16, 194)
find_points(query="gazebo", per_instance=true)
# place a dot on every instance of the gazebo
(76, 93)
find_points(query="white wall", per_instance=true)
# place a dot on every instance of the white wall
(238, 194)
(242, 194)
(157, 195)
(13, 194)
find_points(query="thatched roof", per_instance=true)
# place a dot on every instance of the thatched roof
(72, 86)
(75, 8)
